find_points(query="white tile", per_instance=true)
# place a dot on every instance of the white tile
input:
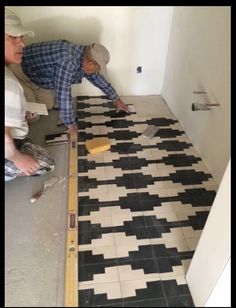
(127, 273)
(111, 173)
(115, 192)
(112, 289)
(189, 232)
(192, 242)
(129, 287)
(110, 275)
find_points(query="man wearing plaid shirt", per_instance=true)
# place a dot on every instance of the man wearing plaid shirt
(58, 64)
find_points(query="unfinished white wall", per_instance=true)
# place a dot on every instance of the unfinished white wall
(221, 294)
(199, 59)
(211, 257)
(135, 36)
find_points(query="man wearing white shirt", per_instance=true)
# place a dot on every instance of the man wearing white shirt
(22, 157)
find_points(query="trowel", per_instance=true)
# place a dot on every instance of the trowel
(48, 183)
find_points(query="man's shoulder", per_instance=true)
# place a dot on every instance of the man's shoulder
(50, 43)
(54, 47)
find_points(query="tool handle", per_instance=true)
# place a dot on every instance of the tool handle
(36, 196)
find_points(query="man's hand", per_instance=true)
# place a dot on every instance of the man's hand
(72, 129)
(120, 105)
(31, 117)
(27, 164)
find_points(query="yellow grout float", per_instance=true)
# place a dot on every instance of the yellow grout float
(97, 145)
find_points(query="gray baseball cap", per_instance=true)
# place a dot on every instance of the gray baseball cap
(13, 25)
(101, 55)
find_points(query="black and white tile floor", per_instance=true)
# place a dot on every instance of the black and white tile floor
(142, 207)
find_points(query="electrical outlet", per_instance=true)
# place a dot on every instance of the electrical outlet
(139, 69)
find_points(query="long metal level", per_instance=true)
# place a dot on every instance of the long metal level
(71, 270)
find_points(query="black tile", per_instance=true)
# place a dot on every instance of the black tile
(157, 302)
(140, 233)
(87, 201)
(171, 288)
(86, 97)
(168, 133)
(112, 305)
(152, 220)
(161, 121)
(189, 177)
(143, 252)
(130, 163)
(87, 226)
(87, 298)
(198, 221)
(83, 114)
(166, 264)
(197, 196)
(116, 113)
(87, 257)
(173, 145)
(121, 123)
(122, 135)
(82, 105)
(96, 233)
(136, 222)
(161, 251)
(180, 301)
(87, 237)
(86, 209)
(126, 147)
(157, 231)
(134, 180)
(85, 183)
(82, 137)
(84, 125)
(82, 151)
(180, 160)
(84, 165)
(140, 201)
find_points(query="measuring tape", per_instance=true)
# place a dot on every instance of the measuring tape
(71, 270)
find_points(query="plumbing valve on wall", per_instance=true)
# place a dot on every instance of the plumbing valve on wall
(202, 106)
(139, 70)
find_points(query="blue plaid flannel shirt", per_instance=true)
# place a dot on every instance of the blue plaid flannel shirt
(57, 65)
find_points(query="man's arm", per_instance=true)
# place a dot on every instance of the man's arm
(100, 82)
(62, 83)
(22, 161)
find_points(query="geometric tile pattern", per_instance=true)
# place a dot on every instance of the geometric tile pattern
(142, 206)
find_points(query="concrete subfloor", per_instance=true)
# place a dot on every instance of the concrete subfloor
(35, 234)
